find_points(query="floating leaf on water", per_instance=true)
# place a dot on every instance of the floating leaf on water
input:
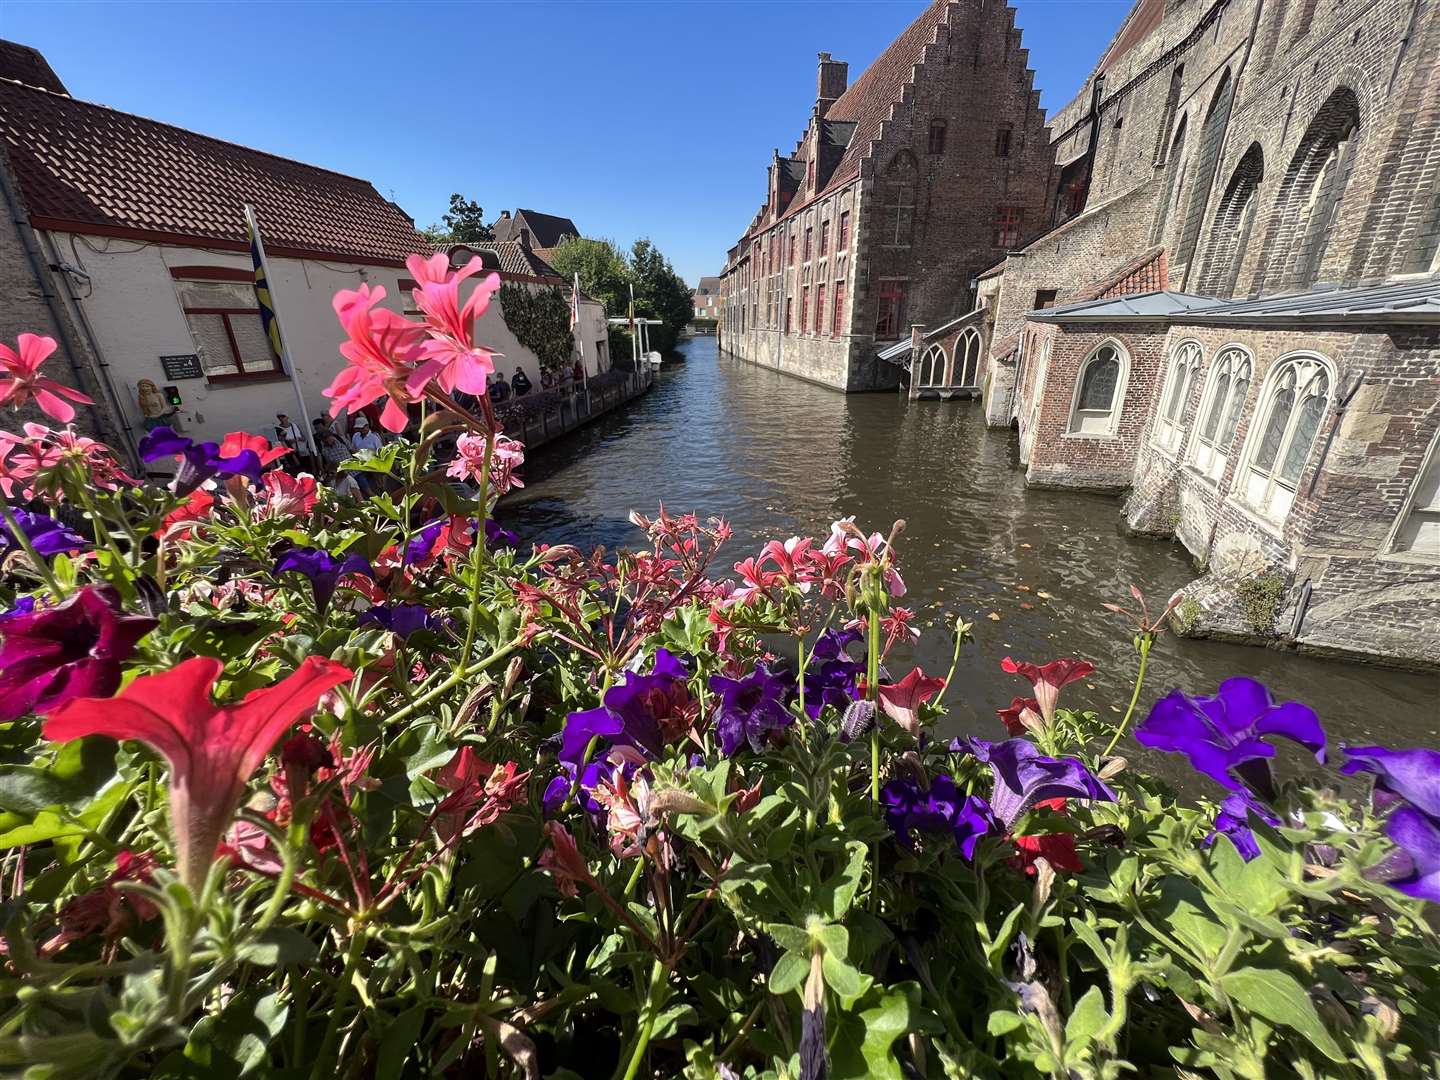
(1026, 607)
(1023, 588)
(994, 616)
(1043, 595)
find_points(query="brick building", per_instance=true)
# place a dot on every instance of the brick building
(1235, 313)
(902, 189)
(542, 233)
(708, 301)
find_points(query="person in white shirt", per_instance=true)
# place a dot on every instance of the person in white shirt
(365, 439)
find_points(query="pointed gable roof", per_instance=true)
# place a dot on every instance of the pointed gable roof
(868, 100)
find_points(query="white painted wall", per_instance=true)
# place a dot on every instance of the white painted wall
(132, 306)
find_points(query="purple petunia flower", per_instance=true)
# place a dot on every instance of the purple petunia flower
(23, 606)
(832, 677)
(46, 535)
(750, 708)
(323, 569)
(1409, 780)
(939, 810)
(71, 650)
(496, 536)
(402, 620)
(1233, 820)
(1223, 736)
(630, 713)
(422, 544)
(1024, 777)
(198, 461)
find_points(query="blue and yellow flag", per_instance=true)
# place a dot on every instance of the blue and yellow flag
(268, 317)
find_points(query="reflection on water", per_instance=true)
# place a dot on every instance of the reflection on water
(779, 457)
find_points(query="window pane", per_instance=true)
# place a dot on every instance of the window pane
(1178, 384)
(1217, 406)
(1237, 402)
(1275, 430)
(1305, 428)
(249, 334)
(1098, 390)
(216, 356)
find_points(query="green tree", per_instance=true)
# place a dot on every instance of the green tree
(660, 293)
(464, 223)
(605, 276)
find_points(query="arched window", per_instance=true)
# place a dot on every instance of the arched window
(1174, 417)
(1220, 410)
(897, 200)
(932, 367)
(1294, 401)
(967, 358)
(1207, 154)
(1417, 533)
(1099, 392)
(1174, 183)
(1231, 228)
(1308, 205)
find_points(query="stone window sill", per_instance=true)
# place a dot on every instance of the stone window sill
(1086, 436)
(1269, 526)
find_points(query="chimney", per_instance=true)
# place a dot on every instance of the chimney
(833, 78)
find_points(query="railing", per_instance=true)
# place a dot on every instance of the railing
(567, 413)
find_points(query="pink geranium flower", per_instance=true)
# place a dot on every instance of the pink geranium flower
(382, 349)
(1049, 679)
(212, 749)
(901, 701)
(789, 559)
(452, 358)
(506, 456)
(32, 463)
(21, 379)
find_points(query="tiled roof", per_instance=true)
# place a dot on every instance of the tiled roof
(512, 257)
(546, 230)
(1150, 306)
(1143, 274)
(90, 168)
(1416, 300)
(708, 285)
(867, 101)
(27, 65)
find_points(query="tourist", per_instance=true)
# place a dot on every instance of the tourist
(289, 434)
(333, 449)
(365, 439)
(499, 388)
(578, 374)
(520, 383)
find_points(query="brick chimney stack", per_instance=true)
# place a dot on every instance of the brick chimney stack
(833, 78)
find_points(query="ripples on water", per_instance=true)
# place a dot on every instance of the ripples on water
(779, 457)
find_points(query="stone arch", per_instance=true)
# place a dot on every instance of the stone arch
(1230, 229)
(897, 200)
(1308, 204)
(1174, 183)
(1202, 175)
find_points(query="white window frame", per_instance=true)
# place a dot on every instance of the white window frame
(967, 358)
(1210, 455)
(1263, 491)
(1097, 423)
(1172, 417)
(1401, 543)
(930, 377)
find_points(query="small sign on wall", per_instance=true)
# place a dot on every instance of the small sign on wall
(186, 366)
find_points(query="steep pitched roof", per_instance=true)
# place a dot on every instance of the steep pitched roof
(546, 230)
(512, 257)
(89, 168)
(27, 65)
(708, 285)
(867, 101)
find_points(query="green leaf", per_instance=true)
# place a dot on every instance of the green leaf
(1088, 1017)
(837, 893)
(1256, 886)
(792, 938)
(1277, 997)
(789, 973)
(46, 826)
(79, 770)
(241, 1035)
(840, 976)
(1184, 916)
(402, 1033)
(863, 1041)
(278, 946)
(1002, 1022)
(1001, 941)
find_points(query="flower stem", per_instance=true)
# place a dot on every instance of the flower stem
(1145, 642)
(647, 1026)
(476, 551)
(21, 538)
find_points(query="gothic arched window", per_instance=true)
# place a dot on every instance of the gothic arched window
(1099, 391)
(1224, 397)
(1294, 401)
(1174, 417)
(1230, 230)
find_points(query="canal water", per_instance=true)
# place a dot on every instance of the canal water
(778, 457)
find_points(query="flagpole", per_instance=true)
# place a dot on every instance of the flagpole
(305, 431)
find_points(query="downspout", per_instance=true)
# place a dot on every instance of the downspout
(40, 268)
(1225, 138)
(1094, 140)
(127, 432)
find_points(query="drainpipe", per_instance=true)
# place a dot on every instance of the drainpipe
(40, 268)
(1340, 410)
(61, 272)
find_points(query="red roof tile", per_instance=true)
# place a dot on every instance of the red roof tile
(91, 168)
(867, 101)
(1144, 273)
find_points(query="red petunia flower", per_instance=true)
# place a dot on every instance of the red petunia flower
(212, 749)
(1023, 715)
(901, 701)
(1049, 679)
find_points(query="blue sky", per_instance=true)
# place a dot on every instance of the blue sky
(634, 118)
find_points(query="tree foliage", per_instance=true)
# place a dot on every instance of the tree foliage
(463, 223)
(607, 273)
(540, 320)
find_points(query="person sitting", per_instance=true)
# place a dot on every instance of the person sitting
(499, 388)
(520, 383)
